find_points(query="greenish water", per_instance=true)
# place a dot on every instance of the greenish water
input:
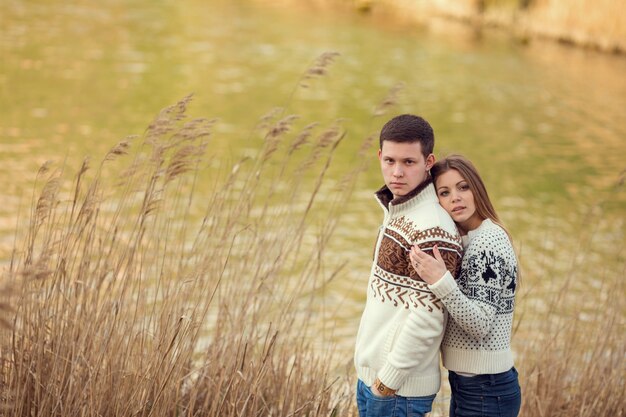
(546, 125)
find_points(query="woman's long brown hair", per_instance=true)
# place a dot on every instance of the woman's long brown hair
(468, 171)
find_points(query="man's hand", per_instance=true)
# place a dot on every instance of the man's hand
(429, 269)
(380, 390)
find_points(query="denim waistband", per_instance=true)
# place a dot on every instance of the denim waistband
(491, 379)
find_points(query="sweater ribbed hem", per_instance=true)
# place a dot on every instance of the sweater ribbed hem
(477, 361)
(413, 386)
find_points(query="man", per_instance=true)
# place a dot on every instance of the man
(397, 346)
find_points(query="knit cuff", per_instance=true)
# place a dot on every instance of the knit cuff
(392, 377)
(444, 286)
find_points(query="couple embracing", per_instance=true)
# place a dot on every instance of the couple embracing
(443, 279)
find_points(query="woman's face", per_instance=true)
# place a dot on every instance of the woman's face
(456, 197)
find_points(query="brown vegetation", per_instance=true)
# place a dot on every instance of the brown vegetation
(594, 24)
(125, 299)
(571, 353)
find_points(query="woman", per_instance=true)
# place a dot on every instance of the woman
(476, 348)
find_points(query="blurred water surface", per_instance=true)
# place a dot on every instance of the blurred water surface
(546, 125)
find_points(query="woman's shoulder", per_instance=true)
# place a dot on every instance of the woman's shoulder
(491, 236)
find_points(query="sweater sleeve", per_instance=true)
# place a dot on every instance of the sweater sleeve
(482, 278)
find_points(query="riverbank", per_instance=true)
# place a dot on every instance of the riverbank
(592, 24)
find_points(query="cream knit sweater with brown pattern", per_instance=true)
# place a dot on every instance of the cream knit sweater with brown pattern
(403, 322)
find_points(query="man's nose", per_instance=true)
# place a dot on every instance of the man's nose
(397, 171)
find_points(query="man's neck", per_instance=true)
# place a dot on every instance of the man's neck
(386, 197)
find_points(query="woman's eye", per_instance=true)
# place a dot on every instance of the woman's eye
(443, 193)
(464, 187)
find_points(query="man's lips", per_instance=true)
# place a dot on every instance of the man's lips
(397, 184)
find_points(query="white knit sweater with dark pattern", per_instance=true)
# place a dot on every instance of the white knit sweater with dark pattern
(480, 304)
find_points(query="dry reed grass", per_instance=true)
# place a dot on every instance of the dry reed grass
(571, 343)
(573, 364)
(125, 301)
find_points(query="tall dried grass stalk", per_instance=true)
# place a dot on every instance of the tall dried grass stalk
(127, 301)
(319, 68)
(571, 350)
(573, 364)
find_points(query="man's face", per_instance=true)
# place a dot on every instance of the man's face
(403, 166)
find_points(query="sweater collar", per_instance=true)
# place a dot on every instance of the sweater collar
(472, 233)
(423, 192)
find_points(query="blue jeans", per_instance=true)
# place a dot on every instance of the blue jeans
(371, 406)
(494, 395)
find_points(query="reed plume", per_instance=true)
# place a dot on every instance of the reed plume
(124, 301)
